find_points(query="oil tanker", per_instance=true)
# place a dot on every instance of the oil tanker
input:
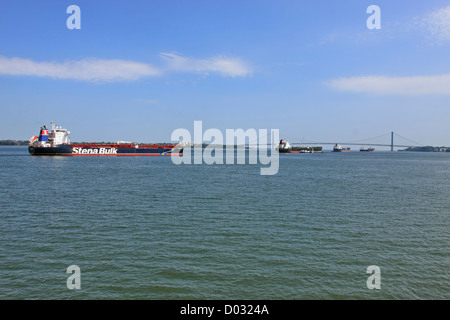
(56, 142)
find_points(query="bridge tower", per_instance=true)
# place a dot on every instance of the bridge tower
(392, 140)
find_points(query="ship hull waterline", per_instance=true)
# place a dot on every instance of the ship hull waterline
(69, 150)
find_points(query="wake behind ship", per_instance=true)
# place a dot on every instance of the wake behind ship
(56, 142)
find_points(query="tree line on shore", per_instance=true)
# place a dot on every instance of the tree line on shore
(13, 142)
(428, 149)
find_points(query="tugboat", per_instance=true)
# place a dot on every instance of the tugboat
(286, 147)
(56, 142)
(339, 148)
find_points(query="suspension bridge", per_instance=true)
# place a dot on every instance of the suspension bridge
(366, 142)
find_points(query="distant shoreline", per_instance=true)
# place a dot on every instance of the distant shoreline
(11, 143)
(23, 143)
(427, 149)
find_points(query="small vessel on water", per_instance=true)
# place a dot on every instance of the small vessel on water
(286, 147)
(56, 142)
(370, 149)
(339, 148)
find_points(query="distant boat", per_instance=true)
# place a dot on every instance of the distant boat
(370, 149)
(339, 148)
(286, 147)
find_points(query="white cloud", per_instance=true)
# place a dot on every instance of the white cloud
(114, 70)
(384, 85)
(94, 70)
(438, 24)
(225, 66)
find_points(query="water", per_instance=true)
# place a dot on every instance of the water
(144, 228)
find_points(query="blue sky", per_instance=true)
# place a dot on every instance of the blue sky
(138, 70)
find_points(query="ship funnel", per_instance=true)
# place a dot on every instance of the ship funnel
(43, 134)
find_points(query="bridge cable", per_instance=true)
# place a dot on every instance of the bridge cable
(408, 139)
(386, 134)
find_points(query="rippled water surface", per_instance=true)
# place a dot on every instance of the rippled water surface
(145, 228)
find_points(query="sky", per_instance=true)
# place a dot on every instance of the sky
(138, 70)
